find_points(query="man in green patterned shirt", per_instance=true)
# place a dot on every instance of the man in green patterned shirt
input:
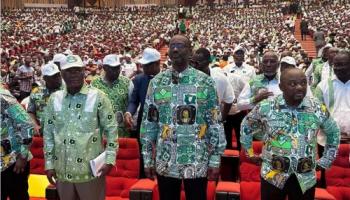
(40, 95)
(16, 136)
(118, 89)
(181, 121)
(288, 125)
(75, 118)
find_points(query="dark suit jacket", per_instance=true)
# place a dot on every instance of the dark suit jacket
(138, 96)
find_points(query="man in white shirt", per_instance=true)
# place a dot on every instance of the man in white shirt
(201, 61)
(335, 93)
(239, 67)
(129, 68)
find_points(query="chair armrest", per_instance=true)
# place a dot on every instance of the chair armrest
(227, 191)
(144, 189)
(51, 193)
(323, 194)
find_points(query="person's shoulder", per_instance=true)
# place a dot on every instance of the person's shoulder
(124, 78)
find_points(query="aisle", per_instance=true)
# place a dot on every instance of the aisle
(307, 44)
(163, 51)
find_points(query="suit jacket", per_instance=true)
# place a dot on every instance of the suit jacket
(138, 96)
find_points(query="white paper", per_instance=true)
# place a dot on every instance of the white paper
(97, 163)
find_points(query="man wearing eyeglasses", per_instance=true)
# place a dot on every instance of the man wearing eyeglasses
(117, 88)
(181, 125)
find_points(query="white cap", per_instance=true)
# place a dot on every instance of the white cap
(72, 61)
(149, 55)
(239, 48)
(289, 60)
(68, 52)
(111, 60)
(49, 69)
(59, 58)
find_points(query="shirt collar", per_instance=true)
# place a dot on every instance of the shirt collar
(84, 90)
(282, 102)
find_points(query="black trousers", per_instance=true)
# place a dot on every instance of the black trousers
(291, 189)
(170, 188)
(233, 121)
(14, 186)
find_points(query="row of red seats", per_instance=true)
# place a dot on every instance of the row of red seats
(124, 183)
(337, 179)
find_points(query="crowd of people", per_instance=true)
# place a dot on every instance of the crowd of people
(75, 74)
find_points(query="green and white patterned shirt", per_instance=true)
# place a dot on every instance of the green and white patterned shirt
(181, 119)
(119, 94)
(73, 133)
(290, 133)
(16, 130)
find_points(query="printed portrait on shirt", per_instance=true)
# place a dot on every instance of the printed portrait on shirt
(186, 114)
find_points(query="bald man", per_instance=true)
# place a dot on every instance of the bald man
(288, 125)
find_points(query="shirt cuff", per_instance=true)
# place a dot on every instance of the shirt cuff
(214, 161)
(110, 158)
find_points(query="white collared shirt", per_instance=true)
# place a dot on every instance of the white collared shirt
(337, 100)
(327, 71)
(246, 71)
(223, 87)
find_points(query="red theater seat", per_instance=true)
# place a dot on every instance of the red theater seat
(338, 176)
(37, 163)
(120, 180)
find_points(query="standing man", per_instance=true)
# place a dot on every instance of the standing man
(181, 121)
(201, 61)
(335, 93)
(319, 39)
(71, 139)
(16, 136)
(117, 87)
(150, 62)
(304, 27)
(239, 67)
(40, 95)
(262, 86)
(25, 75)
(288, 125)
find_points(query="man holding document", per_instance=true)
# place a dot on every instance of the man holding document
(71, 139)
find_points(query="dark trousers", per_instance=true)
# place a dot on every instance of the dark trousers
(291, 189)
(233, 122)
(170, 188)
(303, 35)
(14, 186)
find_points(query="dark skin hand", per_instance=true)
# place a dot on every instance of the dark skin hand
(213, 174)
(150, 173)
(105, 169)
(51, 176)
(261, 96)
(256, 160)
(20, 164)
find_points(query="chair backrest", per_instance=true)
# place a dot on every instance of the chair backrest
(37, 164)
(339, 173)
(126, 172)
(247, 170)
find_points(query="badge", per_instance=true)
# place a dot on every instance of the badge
(185, 114)
(166, 132)
(153, 114)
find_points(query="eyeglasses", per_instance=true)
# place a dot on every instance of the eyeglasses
(177, 45)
